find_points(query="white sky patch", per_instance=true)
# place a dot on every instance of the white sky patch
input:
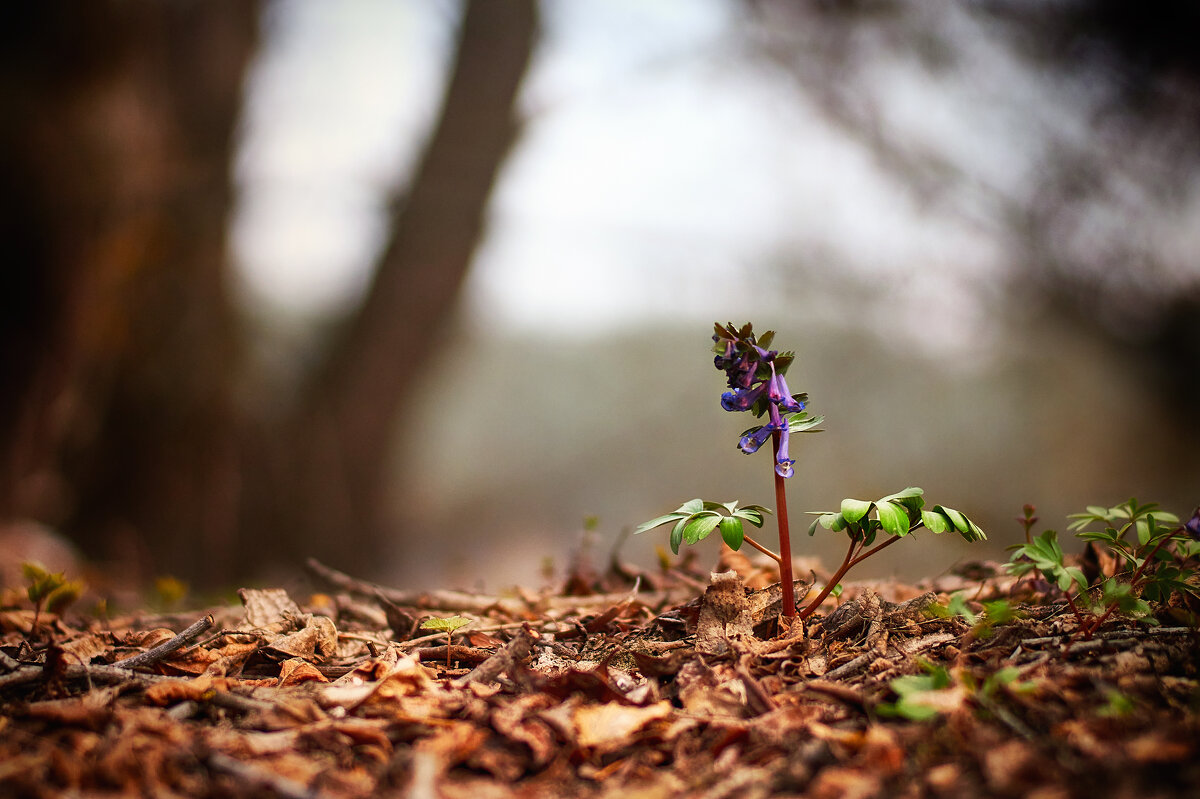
(337, 109)
(660, 176)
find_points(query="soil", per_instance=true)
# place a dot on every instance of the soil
(672, 684)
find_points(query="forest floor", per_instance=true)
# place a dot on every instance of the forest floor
(672, 684)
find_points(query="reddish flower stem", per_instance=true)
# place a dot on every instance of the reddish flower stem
(786, 580)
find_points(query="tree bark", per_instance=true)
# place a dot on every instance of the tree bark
(116, 324)
(331, 476)
(118, 160)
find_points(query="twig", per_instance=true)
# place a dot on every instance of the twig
(468, 654)
(7, 663)
(1149, 632)
(455, 600)
(257, 775)
(513, 652)
(909, 648)
(166, 648)
(113, 675)
(851, 667)
(473, 603)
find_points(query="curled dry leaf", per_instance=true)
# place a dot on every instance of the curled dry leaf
(611, 726)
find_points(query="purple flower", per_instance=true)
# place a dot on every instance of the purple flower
(779, 393)
(1192, 525)
(754, 375)
(741, 399)
(783, 463)
(754, 438)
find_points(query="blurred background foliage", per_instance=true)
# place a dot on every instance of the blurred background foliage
(415, 287)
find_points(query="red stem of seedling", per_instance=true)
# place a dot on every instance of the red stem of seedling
(849, 561)
(761, 548)
(785, 541)
(1088, 629)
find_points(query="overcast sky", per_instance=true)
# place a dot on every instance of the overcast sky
(659, 171)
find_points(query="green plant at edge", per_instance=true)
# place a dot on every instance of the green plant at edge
(1139, 535)
(448, 625)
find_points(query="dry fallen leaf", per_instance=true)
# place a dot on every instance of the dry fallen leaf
(610, 726)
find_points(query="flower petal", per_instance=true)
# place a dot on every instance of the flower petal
(754, 438)
(741, 399)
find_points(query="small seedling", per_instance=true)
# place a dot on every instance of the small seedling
(922, 697)
(1158, 553)
(447, 625)
(49, 590)
(1027, 520)
(994, 613)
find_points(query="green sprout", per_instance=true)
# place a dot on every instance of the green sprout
(49, 590)
(994, 613)
(447, 625)
(922, 697)
(919, 697)
(1158, 554)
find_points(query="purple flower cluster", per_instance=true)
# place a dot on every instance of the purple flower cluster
(756, 383)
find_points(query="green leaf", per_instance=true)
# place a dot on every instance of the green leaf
(803, 423)
(830, 521)
(677, 534)
(935, 522)
(855, 509)
(893, 518)
(752, 516)
(657, 521)
(448, 624)
(910, 493)
(699, 526)
(63, 595)
(732, 532)
(1093, 535)
(691, 506)
(960, 522)
(1072, 574)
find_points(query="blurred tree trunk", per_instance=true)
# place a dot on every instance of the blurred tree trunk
(117, 336)
(327, 489)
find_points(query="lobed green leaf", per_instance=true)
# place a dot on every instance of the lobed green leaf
(855, 509)
(732, 532)
(448, 624)
(893, 518)
(700, 525)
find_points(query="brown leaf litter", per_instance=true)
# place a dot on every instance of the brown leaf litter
(667, 686)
